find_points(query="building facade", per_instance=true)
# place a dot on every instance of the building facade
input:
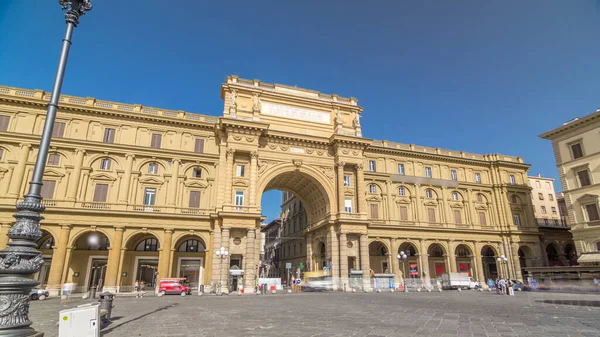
(135, 193)
(577, 153)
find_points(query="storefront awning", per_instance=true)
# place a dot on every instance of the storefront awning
(589, 258)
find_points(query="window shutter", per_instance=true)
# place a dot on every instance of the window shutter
(58, 130)
(194, 199)
(403, 213)
(109, 135)
(4, 123)
(431, 214)
(47, 191)
(199, 148)
(457, 217)
(482, 220)
(374, 211)
(101, 193)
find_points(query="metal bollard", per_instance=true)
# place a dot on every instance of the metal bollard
(106, 303)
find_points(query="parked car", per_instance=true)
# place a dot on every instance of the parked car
(519, 286)
(38, 294)
(173, 286)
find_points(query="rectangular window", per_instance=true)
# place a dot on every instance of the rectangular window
(239, 198)
(105, 164)
(199, 146)
(513, 181)
(156, 141)
(401, 169)
(58, 130)
(453, 175)
(457, 217)
(592, 212)
(543, 209)
(478, 178)
(374, 211)
(403, 213)
(194, 199)
(428, 172)
(550, 197)
(100, 192)
(346, 181)
(553, 210)
(348, 205)
(584, 178)
(546, 222)
(149, 196)
(517, 219)
(537, 184)
(372, 166)
(239, 170)
(153, 168)
(53, 159)
(482, 219)
(576, 150)
(109, 135)
(431, 214)
(541, 196)
(547, 184)
(4, 120)
(47, 191)
(197, 172)
(372, 188)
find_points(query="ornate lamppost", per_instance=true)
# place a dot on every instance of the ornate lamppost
(221, 254)
(402, 257)
(21, 259)
(503, 262)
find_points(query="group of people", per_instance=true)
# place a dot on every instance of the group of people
(502, 286)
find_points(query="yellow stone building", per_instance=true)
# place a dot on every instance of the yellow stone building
(140, 193)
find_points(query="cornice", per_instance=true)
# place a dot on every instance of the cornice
(225, 123)
(570, 126)
(280, 135)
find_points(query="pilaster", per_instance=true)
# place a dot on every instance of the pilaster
(19, 172)
(164, 255)
(58, 261)
(76, 176)
(250, 263)
(364, 261)
(344, 260)
(114, 259)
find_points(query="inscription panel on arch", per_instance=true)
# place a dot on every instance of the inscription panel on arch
(294, 112)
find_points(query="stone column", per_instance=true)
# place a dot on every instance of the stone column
(76, 176)
(114, 259)
(335, 257)
(425, 272)
(249, 281)
(445, 207)
(229, 177)
(4, 227)
(395, 263)
(309, 253)
(340, 186)
(17, 177)
(344, 261)
(84, 186)
(390, 202)
(417, 203)
(172, 191)
(224, 270)
(452, 257)
(126, 182)
(253, 177)
(516, 262)
(360, 189)
(164, 256)
(479, 266)
(58, 261)
(469, 209)
(215, 260)
(364, 262)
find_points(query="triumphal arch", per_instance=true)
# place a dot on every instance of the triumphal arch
(136, 193)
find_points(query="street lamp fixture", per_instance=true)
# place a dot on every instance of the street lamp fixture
(21, 259)
(221, 254)
(503, 262)
(402, 257)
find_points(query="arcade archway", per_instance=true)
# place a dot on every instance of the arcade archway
(89, 258)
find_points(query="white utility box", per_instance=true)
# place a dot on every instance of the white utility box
(83, 321)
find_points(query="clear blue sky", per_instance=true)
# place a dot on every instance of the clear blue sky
(479, 76)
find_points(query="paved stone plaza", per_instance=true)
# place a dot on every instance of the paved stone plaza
(449, 313)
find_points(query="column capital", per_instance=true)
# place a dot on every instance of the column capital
(254, 154)
(129, 155)
(27, 145)
(250, 230)
(230, 152)
(359, 167)
(66, 226)
(169, 231)
(178, 160)
(340, 164)
(78, 151)
(226, 228)
(119, 228)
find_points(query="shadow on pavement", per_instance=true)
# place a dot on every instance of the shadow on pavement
(581, 303)
(112, 327)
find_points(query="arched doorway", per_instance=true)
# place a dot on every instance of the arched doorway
(45, 245)
(87, 266)
(488, 261)
(464, 259)
(189, 259)
(409, 268)
(553, 255)
(571, 254)
(379, 258)
(437, 260)
(526, 259)
(140, 262)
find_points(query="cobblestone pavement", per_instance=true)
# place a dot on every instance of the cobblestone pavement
(449, 313)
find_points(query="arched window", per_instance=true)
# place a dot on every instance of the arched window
(153, 168)
(454, 196)
(147, 245)
(191, 245)
(372, 188)
(598, 246)
(47, 244)
(428, 194)
(197, 172)
(462, 251)
(105, 164)
(514, 199)
(436, 251)
(401, 191)
(479, 197)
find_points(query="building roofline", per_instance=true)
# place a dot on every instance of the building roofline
(570, 125)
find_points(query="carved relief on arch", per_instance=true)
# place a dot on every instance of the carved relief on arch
(263, 165)
(328, 172)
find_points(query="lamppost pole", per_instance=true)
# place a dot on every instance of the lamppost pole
(221, 254)
(402, 258)
(21, 259)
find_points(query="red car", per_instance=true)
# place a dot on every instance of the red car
(173, 286)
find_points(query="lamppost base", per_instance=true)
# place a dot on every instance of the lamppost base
(28, 332)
